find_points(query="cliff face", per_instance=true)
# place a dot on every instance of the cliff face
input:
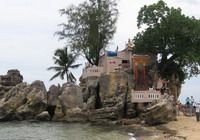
(113, 84)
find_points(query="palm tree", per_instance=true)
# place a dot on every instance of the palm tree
(64, 61)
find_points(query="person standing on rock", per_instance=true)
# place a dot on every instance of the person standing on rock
(198, 111)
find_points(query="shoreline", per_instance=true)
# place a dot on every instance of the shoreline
(184, 128)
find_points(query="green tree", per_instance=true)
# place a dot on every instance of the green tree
(64, 62)
(90, 27)
(173, 37)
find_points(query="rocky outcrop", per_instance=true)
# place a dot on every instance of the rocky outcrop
(159, 112)
(106, 99)
(44, 116)
(23, 101)
(52, 99)
(113, 84)
(71, 97)
(91, 96)
(105, 114)
(12, 78)
(3, 90)
(76, 115)
(52, 94)
(8, 81)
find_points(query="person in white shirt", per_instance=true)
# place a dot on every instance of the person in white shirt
(198, 110)
(191, 106)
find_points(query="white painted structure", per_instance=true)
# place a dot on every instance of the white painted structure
(92, 72)
(144, 96)
(122, 61)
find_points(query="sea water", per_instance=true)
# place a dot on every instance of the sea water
(59, 131)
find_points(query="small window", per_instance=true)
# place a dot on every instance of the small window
(125, 61)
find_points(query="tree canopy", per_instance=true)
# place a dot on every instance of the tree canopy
(64, 62)
(173, 37)
(89, 27)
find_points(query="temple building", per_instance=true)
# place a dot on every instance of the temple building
(146, 88)
(113, 61)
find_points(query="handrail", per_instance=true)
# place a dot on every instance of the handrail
(144, 96)
(92, 71)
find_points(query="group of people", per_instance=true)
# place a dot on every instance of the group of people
(191, 105)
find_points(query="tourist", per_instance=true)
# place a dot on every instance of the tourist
(178, 106)
(187, 102)
(197, 111)
(191, 106)
(192, 100)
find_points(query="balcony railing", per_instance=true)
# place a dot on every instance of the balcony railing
(145, 96)
(92, 72)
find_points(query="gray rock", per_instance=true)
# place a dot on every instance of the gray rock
(44, 116)
(39, 86)
(52, 94)
(113, 84)
(109, 113)
(12, 78)
(4, 90)
(76, 115)
(91, 102)
(160, 112)
(71, 97)
(23, 102)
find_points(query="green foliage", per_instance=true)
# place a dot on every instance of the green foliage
(172, 36)
(64, 61)
(89, 28)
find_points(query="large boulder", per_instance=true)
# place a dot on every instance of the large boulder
(159, 112)
(52, 99)
(76, 115)
(12, 78)
(93, 100)
(104, 114)
(52, 95)
(44, 116)
(23, 101)
(113, 84)
(91, 103)
(112, 110)
(71, 97)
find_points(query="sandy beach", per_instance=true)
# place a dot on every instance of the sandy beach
(186, 127)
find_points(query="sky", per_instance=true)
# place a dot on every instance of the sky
(27, 40)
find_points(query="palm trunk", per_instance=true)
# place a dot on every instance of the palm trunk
(67, 76)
